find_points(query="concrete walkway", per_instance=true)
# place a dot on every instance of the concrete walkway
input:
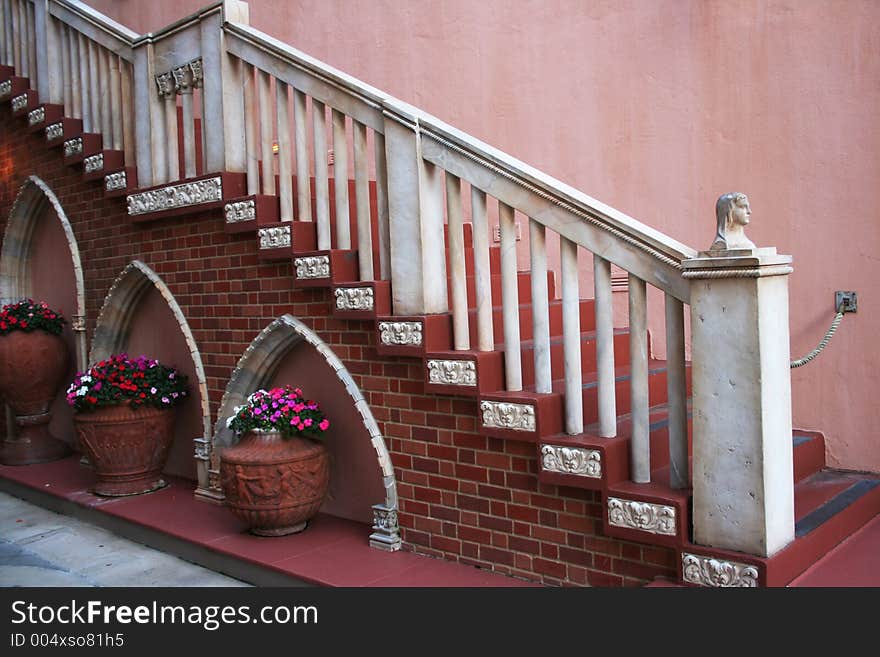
(42, 548)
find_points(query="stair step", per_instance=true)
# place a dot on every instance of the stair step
(96, 166)
(62, 130)
(830, 505)
(121, 182)
(250, 213)
(12, 85)
(191, 196)
(281, 240)
(587, 319)
(24, 102)
(323, 268)
(363, 300)
(78, 147)
(43, 115)
(413, 335)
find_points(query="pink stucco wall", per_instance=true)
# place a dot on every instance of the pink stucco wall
(656, 108)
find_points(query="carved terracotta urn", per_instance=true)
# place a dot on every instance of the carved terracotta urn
(273, 483)
(32, 366)
(127, 446)
(124, 418)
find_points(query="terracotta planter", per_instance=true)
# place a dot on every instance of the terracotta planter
(127, 446)
(275, 484)
(32, 366)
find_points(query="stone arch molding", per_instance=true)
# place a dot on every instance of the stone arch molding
(255, 370)
(32, 200)
(111, 334)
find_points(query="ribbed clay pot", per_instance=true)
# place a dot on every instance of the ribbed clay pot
(274, 484)
(32, 366)
(127, 446)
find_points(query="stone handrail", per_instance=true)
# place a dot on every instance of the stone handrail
(95, 25)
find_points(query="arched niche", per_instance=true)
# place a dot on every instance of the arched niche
(362, 481)
(141, 317)
(40, 259)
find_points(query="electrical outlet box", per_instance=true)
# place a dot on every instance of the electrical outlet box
(845, 301)
(496, 232)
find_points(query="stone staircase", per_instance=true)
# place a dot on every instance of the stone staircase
(829, 504)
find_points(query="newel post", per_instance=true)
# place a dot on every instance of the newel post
(743, 487)
(415, 215)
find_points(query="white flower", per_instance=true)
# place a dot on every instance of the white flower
(86, 378)
(229, 421)
(82, 391)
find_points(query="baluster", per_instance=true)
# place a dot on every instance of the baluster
(66, 74)
(432, 239)
(250, 131)
(605, 379)
(6, 27)
(85, 83)
(510, 298)
(362, 202)
(676, 387)
(571, 337)
(76, 96)
(382, 222)
(482, 271)
(16, 39)
(322, 193)
(303, 177)
(540, 307)
(340, 181)
(94, 85)
(183, 82)
(640, 441)
(285, 168)
(104, 86)
(31, 46)
(266, 154)
(455, 214)
(128, 128)
(172, 137)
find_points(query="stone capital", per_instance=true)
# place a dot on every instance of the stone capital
(737, 263)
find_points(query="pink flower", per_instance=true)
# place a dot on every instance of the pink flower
(325, 423)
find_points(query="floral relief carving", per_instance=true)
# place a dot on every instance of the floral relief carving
(202, 449)
(644, 516)
(572, 460)
(19, 102)
(115, 181)
(504, 415)
(176, 196)
(165, 84)
(93, 163)
(73, 146)
(36, 116)
(312, 267)
(54, 131)
(195, 67)
(385, 519)
(354, 298)
(400, 333)
(707, 571)
(5, 89)
(275, 237)
(452, 372)
(240, 211)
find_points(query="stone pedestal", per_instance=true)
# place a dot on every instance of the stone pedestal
(742, 475)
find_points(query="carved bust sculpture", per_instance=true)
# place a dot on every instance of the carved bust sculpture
(732, 212)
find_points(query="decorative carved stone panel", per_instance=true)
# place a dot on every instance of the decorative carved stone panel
(195, 67)
(93, 163)
(400, 333)
(572, 460)
(274, 237)
(115, 181)
(36, 116)
(505, 415)
(176, 196)
(354, 298)
(240, 211)
(312, 267)
(202, 449)
(386, 531)
(643, 516)
(73, 146)
(452, 372)
(707, 571)
(54, 131)
(165, 85)
(5, 89)
(19, 102)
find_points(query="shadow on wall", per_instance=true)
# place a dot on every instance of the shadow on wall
(355, 477)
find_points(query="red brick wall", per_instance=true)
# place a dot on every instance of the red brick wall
(463, 496)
